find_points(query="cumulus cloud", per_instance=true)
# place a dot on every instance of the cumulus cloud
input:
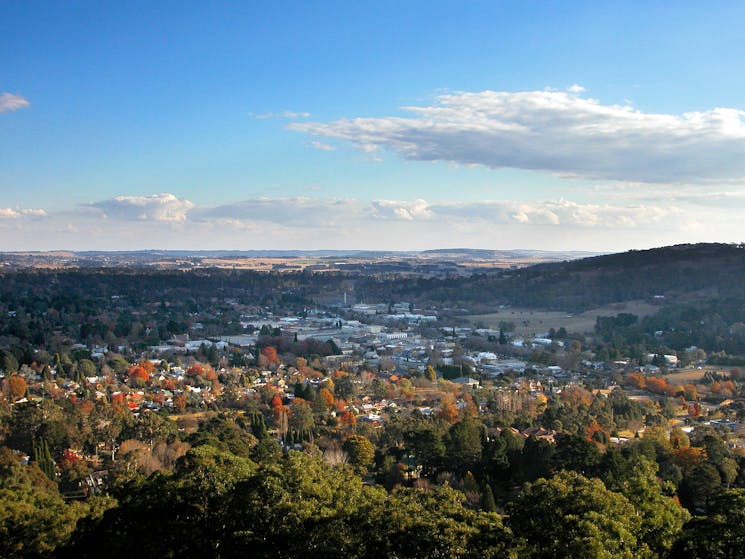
(11, 213)
(10, 102)
(156, 207)
(307, 223)
(556, 212)
(558, 132)
(410, 211)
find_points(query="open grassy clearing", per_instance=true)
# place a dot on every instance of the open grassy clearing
(533, 322)
(694, 376)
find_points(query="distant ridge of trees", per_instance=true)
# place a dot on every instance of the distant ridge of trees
(701, 270)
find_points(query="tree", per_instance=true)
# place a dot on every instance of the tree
(488, 504)
(179, 402)
(463, 445)
(43, 458)
(17, 387)
(575, 453)
(302, 508)
(345, 387)
(138, 376)
(8, 361)
(150, 427)
(86, 368)
(426, 444)
(361, 452)
(417, 523)
(301, 419)
(270, 353)
(326, 398)
(700, 486)
(586, 520)
(720, 534)
(34, 519)
(348, 418)
(662, 516)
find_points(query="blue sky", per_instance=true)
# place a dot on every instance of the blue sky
(378, 125)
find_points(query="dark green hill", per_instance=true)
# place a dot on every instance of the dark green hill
(677, 273)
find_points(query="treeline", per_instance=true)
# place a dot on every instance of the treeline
(452, 484)
(46, 308)
(716, 326)
(708, 270)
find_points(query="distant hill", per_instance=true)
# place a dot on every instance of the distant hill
(681, 272)
(381, 261)
(518, 254)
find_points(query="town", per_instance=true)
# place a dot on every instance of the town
(107, 383)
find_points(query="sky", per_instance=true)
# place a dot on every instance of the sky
(385, 125)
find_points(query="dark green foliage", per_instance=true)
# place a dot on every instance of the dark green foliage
(257, 425)
(573, 516)
(463, 445)
(34, 519)
(720, 534)
(224, 433)
(43, 458)
(488, 504)
(575, 453)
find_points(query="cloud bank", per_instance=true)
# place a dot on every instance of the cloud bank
(166, 221)
(556, 132)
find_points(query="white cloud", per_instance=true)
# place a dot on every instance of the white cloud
(10, 102)
(294, 114)
(156, 207)
(392, 209)
(280, 114)
(10, 213)
(322, 146)
(557, 132)
(137, 222)
(551, 212)
(576, 88)
(289, 212)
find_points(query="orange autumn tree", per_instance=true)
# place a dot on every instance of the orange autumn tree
(270, 353)
(326, 397)
(660, 386)
(596, 433)
(118, 400)
(687, 458)
(281, 415)
(348, 418)
(196, 370)
(137, 375)
(147, 365)
(276, 401)
(179, 402)
(17, 387)
(576, 396)
(636, 380)
(448, 410)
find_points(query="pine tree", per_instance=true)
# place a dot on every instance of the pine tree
(488, 504)
(43, 458)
